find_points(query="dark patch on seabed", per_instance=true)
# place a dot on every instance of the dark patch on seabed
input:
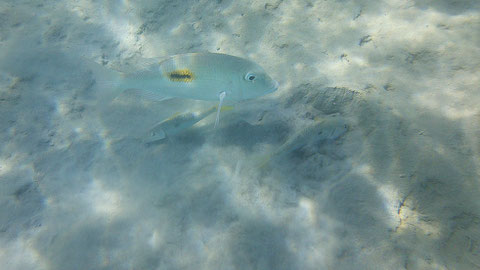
(327, 100)
(22, 208)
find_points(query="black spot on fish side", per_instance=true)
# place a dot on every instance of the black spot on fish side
(180, 76)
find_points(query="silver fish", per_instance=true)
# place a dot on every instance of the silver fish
(199, 76)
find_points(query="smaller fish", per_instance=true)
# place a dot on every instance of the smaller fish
(178, 123)
(321, 129)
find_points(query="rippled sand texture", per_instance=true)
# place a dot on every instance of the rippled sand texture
(398, 190)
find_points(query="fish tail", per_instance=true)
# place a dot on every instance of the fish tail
(105, 78)
(107, 81)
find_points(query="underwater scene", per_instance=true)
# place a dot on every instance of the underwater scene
(252, 134)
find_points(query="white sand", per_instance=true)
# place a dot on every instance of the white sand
(79, 190)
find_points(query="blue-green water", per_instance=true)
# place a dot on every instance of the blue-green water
(366, 157)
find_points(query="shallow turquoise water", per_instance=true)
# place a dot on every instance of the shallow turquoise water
(366, 157)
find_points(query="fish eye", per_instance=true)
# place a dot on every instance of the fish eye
(250, 77)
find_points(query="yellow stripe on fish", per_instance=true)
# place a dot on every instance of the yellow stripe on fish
(181, 75)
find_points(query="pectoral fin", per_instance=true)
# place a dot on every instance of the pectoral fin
(221, 96)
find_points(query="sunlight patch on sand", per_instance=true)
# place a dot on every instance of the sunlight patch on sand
(307, 210)
(389, 194)
(104, 202)
(20, 254)
(6, 165)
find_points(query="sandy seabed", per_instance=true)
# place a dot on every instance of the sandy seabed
(79, 189)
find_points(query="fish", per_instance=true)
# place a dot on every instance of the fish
(178, 123)
(330, 128)
(198, 76)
